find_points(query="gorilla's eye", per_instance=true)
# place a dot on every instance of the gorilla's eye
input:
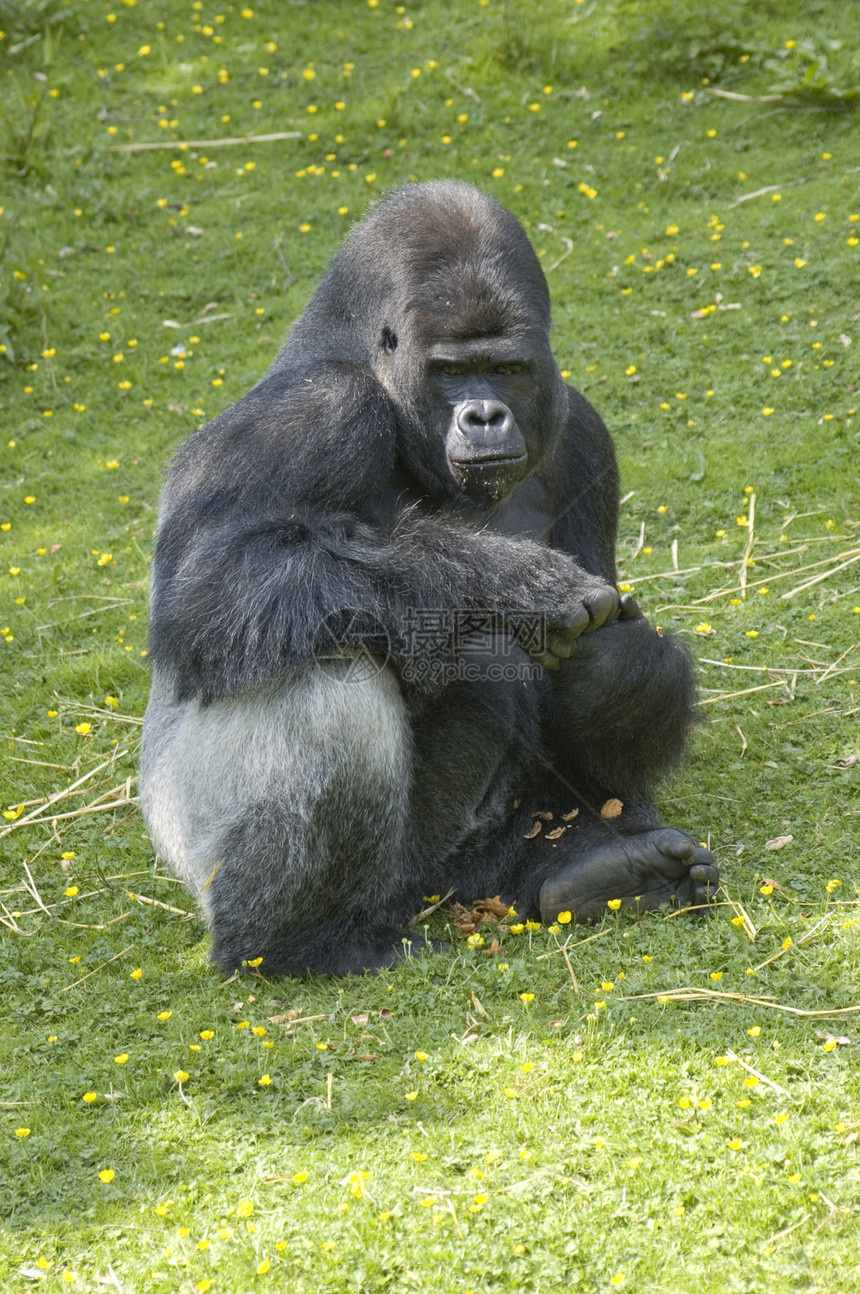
(388, 341)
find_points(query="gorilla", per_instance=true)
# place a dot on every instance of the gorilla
(389, 656)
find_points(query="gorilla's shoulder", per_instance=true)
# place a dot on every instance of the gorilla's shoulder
(319, 431)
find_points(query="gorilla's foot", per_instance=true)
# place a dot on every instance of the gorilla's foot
(644, 871)
(354, 953)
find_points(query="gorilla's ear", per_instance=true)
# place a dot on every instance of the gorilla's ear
(388, 341)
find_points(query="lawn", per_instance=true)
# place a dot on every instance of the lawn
(655, 1103)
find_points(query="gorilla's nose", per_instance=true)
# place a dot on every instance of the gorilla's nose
(484, 421)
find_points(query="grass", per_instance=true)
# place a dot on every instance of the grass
(656, 1104)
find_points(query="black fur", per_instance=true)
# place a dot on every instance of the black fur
(311, 766)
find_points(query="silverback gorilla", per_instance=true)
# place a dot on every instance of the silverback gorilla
(386, 638)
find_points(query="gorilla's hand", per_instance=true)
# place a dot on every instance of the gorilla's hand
(599, 606)
(630, 633)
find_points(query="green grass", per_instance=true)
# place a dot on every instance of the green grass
(467, 1122)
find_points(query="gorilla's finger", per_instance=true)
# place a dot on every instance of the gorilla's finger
(560, 645)
(602, 607)
(547, 659)
(576, 623)
(630, 608)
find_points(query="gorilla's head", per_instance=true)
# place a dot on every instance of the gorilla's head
(440, 293)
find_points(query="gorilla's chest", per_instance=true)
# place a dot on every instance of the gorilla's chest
(527, 513)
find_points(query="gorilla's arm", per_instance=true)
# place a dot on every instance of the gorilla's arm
(255, 574)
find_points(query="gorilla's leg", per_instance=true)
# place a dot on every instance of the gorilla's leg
(287, 811)
(473, 754)
(616, 718)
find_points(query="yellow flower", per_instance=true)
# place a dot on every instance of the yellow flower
(181, 1075)
(613, 904)
(411, 1096)
(83, 728)
(107, 1175)
(299, 1178)
(22, 1132)
(89, 1097)
(122, 1059)
(527, 997)
(264, 1081)
(564, 918)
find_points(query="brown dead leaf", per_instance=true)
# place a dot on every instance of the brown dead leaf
(838, 1038)
(569, 817)
(285, 1018)
(555, 835)
(462, 918)
(493, 907)
(386, 1013)
(778, 842)
(467, 919)
(535, 831)
(768, 880)
(367, 1056)
(362, 1018)
(612, 809)
(544, 815)
(492, 950)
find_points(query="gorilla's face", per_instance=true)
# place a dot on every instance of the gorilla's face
(477, 408)
(483, 390)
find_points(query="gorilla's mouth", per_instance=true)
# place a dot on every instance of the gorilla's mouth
(488, 460)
